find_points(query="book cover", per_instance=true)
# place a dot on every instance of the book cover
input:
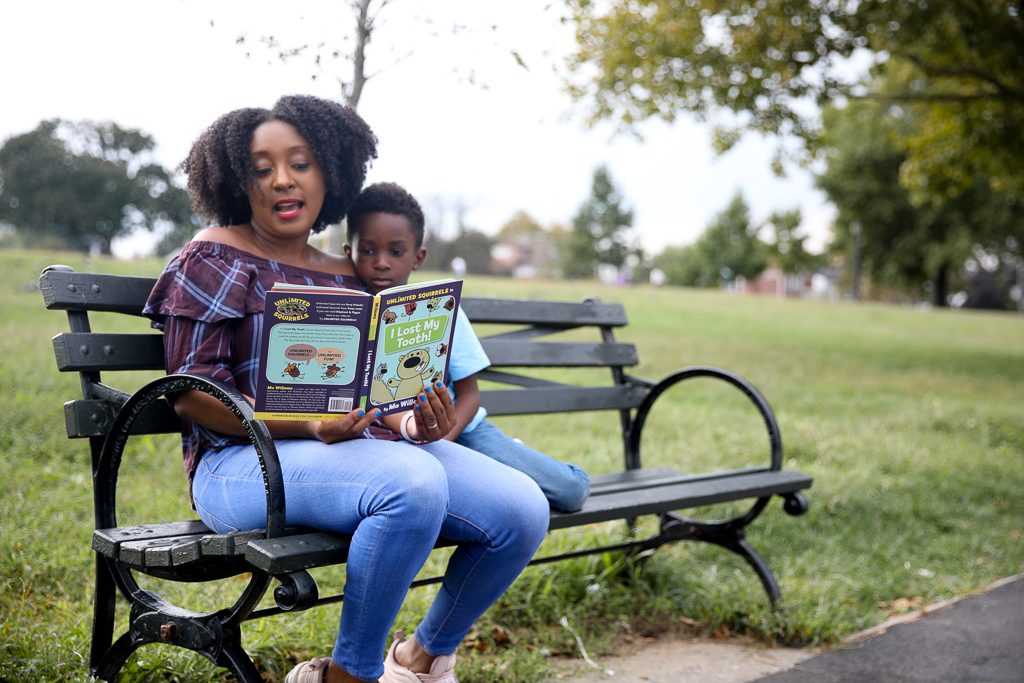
(327, 351)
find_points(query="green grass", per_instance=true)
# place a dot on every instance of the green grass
(911, 422)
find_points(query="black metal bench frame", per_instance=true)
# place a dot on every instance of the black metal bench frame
(188, 551)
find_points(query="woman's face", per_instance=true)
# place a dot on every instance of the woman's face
(286, 191)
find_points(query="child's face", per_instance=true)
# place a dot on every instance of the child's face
(384, 251)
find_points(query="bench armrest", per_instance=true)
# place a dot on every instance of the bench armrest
(774, 435)
(117, 437)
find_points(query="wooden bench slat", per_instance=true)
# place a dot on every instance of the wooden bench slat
(292, 553)
(107, 541)
(600, 480)
(158, 552)
(665, 477)
(90, 351)
(84, 418)
(503, 353)
(63, 290)
(229, 545)
(544, 313)
(517, 380)
(632, 503)
(559, 400)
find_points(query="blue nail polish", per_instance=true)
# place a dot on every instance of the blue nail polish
(361, 412)
(417, 409)
(423, 398)
(377, 414)
(426, 390)
(440, 385)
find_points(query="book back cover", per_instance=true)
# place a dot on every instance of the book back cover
(313, 349)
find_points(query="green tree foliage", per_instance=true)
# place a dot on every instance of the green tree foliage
(682, 266)
(523, 246)
(472, 245)
(522, 229)
(179, 234)
(901, 243)
(728, 249)
(959, 65)
(788, 249)
(81, 185)
(600, 230)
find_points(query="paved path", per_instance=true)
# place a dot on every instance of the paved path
(673, 660)
(976, 638)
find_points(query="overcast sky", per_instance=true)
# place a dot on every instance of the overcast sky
(459, 121)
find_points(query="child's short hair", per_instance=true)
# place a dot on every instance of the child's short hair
(387, 198)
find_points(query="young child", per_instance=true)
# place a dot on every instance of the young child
(385, 243)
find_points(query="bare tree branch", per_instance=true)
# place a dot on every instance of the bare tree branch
(1004, 90)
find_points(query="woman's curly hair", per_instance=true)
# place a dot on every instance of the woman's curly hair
(219, 165)
(387, 198)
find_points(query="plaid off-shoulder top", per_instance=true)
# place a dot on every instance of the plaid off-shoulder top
(209, 304)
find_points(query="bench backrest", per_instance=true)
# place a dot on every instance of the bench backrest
(514, 351)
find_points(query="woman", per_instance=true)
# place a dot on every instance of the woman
(269, 178)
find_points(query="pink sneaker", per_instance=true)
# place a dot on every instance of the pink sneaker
(441, 671)
(312, 671)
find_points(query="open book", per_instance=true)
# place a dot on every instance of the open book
(326, 351)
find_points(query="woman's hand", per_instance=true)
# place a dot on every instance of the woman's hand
(434, 413)
(350, 426)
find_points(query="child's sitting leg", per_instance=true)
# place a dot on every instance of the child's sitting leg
(565, 485)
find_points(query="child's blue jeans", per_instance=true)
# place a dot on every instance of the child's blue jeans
(395, 499)
(565, 485)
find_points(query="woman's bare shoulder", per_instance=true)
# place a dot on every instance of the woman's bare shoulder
(222, 235)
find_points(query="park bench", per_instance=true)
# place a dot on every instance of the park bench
(187, 551)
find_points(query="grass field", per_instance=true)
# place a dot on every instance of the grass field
(911, 422)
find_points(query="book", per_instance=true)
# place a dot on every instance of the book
(327, 351)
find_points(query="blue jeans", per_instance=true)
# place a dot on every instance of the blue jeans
(565, 485)
(394, 499)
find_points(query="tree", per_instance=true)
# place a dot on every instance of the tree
(727, 250)
(767, 63)
(682, 266)
(365, 17)
(787, 248)
(81, 185)
(345, 55)
(600, 230)
(179, 234)
(523, 247)
(899, 242)
(730, 246)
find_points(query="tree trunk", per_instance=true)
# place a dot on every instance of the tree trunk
(856, 265)
(364, 27)
(940, 292)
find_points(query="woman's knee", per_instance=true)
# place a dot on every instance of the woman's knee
(420, 489)
(527, 514)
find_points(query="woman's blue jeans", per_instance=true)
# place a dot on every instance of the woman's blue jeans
(565, 485)
(395, 499)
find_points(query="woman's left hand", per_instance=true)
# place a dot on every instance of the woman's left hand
(434, 412)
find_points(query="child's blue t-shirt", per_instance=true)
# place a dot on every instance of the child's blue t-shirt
(467, 358)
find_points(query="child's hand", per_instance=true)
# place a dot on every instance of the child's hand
(342, 428)
(434, 412)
